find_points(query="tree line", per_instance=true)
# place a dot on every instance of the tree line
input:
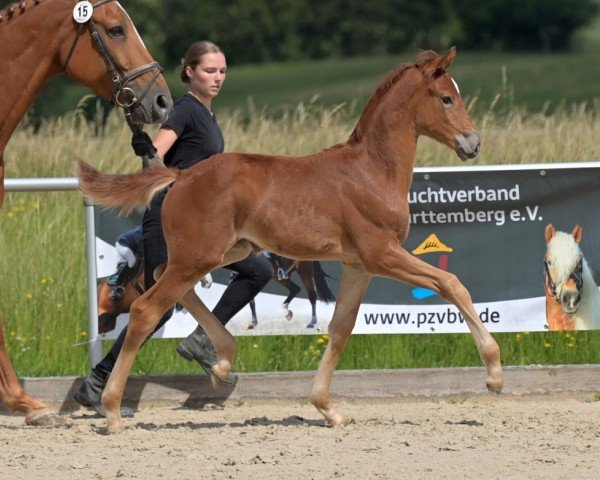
(286, 30)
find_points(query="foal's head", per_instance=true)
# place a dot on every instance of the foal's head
(136, 83)
(563, 266)
(440, 111)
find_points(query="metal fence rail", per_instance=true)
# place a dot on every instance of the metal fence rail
(63, 185)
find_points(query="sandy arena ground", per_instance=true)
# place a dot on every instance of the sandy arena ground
(456, 438)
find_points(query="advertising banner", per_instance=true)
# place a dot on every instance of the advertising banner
(490, 226)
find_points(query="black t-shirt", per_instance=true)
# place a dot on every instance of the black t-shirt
(198, 134)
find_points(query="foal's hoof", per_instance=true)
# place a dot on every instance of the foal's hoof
(494, 386)
(114, 426)
(222, 377)
(44, 418)
(333, 417)
(494, 383)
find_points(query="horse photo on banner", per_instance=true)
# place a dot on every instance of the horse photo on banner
(500, 229)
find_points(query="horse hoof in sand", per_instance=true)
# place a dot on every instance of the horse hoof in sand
(334, 418)
(44, 418)
(494, 383)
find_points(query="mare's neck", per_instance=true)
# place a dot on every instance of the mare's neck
(30, 41)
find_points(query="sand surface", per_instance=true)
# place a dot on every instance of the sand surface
(456, 438)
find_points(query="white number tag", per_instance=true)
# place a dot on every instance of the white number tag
(83, 12)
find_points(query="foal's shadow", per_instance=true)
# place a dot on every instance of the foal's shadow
(198, 388)
(291, 421)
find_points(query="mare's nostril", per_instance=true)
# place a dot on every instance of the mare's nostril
(162, 101)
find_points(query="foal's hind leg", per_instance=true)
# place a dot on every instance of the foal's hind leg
(222, 340)
(146, 311)
(353, 286)
(224, 343)
(398, 264)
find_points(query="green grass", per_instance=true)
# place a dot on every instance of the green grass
(534, 81)
(43, 295)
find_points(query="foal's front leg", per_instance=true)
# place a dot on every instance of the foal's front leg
(353, 286)
(395, 262)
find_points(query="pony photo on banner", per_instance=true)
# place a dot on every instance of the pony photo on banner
(572, 296)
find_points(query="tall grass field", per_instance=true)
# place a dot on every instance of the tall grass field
(295, 110)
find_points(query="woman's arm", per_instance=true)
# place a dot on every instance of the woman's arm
(164, 140)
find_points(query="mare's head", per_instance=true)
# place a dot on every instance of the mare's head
(107, 54)
(563, 267)
(441, 113)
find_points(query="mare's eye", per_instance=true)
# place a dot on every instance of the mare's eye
(116, 32)
(447, 100)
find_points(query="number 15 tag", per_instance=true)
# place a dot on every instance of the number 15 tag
(83, 11)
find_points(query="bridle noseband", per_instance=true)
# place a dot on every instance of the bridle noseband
(576, 275)
(118, 76)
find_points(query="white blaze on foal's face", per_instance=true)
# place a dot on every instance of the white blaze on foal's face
(455, 85)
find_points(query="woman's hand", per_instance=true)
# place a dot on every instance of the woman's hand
(142, 145)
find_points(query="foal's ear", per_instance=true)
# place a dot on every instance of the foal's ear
(577, 233)
(550, 232)
(437, 67)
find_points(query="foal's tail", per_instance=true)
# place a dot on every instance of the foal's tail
(125, 192)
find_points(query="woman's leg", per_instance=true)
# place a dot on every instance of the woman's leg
(253, 273)
(155, 254)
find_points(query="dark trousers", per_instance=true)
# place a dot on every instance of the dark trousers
(253, 273)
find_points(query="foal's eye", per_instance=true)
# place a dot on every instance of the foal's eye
(116, 32)
(447, 100)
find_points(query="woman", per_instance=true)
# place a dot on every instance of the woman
(189, 135)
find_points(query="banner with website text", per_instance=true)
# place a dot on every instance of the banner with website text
(485, 225)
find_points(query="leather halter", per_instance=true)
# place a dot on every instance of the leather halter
(119, 77)
(576, 275)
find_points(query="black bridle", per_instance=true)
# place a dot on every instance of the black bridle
(123, 96)
(576, 275)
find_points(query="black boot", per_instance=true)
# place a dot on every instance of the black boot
(90, 393)
(118, 291)
(197, 346)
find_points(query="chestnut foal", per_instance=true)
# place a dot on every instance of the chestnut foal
(354, 197)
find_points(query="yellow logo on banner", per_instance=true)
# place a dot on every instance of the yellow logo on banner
(431, 244)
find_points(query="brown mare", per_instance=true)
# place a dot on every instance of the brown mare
(572, 296)
(40, 39)
(354, 209)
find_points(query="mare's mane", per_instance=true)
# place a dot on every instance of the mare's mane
(384, 87)
(13, 10)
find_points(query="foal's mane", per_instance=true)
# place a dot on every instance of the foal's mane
(384, 87)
